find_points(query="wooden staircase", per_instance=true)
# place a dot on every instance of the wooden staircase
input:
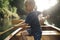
(48, 33)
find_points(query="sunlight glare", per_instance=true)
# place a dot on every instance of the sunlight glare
(45, 4)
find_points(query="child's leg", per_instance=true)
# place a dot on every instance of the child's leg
(24, 34)
(37, 36)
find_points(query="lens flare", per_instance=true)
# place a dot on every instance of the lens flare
(45, 4)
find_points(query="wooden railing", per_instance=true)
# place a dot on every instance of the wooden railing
(48, 32)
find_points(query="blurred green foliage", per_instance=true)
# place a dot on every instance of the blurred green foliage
(6, 13)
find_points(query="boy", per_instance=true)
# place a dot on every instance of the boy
(32, 20)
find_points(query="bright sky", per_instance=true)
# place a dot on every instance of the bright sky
(45, 4)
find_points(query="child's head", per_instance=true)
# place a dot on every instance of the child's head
(29, 5)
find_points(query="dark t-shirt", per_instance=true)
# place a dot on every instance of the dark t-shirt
(33, 21)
